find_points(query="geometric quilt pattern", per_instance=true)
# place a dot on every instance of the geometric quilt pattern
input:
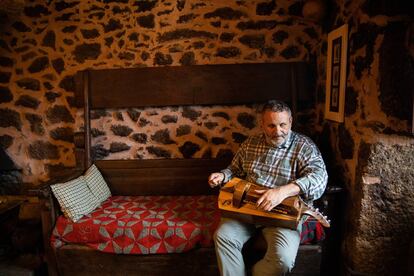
(151, 225)
(143, 225)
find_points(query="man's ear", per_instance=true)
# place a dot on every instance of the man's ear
(290, 119)
(261, 120)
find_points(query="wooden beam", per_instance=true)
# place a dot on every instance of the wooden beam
(195, 85)
(87, 123)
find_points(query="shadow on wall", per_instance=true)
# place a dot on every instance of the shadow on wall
(10, 175)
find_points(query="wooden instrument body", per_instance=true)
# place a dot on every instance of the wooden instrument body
(233, 204)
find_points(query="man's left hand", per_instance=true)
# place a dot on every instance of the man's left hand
(270, 198)
(273, 197)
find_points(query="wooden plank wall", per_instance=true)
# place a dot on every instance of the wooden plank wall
(194, 85)
(161, 176)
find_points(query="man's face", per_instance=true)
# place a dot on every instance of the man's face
(276, 126)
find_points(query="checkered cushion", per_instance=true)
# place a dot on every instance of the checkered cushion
(97, 184)
(75, 198)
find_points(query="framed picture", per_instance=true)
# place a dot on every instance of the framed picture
(336, 74)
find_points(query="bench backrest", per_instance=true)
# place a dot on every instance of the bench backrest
(160, 176)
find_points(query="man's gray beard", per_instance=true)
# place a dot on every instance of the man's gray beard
(273, 142)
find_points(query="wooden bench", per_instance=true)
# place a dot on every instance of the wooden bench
(154, 177)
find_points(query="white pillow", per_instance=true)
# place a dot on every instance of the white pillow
(75, 198)
(97, 183)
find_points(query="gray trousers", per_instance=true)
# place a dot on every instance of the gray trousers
(282, 247)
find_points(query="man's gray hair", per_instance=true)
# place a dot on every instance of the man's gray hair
(276, 106)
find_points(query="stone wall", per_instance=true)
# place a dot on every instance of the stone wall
(42, 48)
(379, 81)
(172, 132)
(372, 151)
(382, 214)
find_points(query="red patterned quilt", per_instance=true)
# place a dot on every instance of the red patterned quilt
(151, 224)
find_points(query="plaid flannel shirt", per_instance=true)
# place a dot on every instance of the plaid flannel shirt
(297, 160)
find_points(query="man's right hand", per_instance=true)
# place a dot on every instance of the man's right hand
(215, 179)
